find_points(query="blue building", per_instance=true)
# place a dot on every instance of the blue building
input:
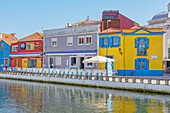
(5, 43)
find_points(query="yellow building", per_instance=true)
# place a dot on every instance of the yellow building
(137, 51)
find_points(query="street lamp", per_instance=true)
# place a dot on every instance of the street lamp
(107, 49)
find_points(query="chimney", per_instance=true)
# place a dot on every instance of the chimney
(88, 19)
(68, 25)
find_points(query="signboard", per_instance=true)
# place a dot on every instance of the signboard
(154, 56)
(109, 68)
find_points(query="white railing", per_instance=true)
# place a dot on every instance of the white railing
(98, 72)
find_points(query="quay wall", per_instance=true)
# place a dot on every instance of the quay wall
(139, 87)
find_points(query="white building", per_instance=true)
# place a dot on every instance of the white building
(162, 20)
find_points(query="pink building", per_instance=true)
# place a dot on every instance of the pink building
(117, 20)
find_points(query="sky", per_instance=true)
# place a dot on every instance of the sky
(26, 17)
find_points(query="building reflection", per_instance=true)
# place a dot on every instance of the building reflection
(29, 97)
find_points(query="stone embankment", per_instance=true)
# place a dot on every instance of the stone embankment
(131, 83)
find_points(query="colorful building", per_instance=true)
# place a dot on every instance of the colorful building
(68, 47)
(28, 52)
(137, 51)
(5, 42)
(118, 20)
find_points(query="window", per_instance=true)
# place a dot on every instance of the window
(142, 43)
(54, 42)
(103, 42)
(73, 61)
(89, 64)
(81, 40)
(58, 60)
(2, 46)
(30, 46)
(108, 17)
(69, 41)
(88, 39)
(7, 37)
(114, 41)
(141, 64)
(15, 48)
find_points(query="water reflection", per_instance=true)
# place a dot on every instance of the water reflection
(18, 96)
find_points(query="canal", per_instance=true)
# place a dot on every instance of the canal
(30, 97)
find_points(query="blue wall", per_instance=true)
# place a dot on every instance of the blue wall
(4, 54)
(140, 72)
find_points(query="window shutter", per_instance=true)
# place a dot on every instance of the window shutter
(101, 42)
(136, 64)
(136, 43)
(147, 43)
(110, 41)
(118, 40)
(146, 64)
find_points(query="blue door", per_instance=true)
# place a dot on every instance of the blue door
(109, 56)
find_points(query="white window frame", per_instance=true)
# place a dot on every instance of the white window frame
(13, 47)
(86, 63)
(88, 37)
(58, 60)
(79, 38)
(71, 42)
(70, 61)
(53, 39)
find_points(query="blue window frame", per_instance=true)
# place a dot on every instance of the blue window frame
(142, 44)
(103, 42)
(114, 41)
(142, 64)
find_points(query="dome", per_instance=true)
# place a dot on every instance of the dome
(160, 15)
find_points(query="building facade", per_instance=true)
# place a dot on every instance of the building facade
(162, 20)
(28, 52)
(5, 42)
(118, 20)
(137, 51)
(68, 47)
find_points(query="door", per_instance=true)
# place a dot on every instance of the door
(109, 56)
(51, 62)
(81, 63)
(16, 63)
(32, 63)
(39, 62)
(6, 61)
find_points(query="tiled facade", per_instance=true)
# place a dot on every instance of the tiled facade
(68, 47)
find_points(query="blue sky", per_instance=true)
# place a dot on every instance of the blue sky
(26, 17)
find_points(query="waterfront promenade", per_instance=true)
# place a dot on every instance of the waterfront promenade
(154, 84)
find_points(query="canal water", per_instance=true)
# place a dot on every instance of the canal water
(30, 97)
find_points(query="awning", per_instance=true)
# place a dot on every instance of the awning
(98, 59)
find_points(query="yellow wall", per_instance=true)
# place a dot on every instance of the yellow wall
(129, 52)
(112, 51)
(25, 62)
(39, 62)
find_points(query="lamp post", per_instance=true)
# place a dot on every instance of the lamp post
(107, 49)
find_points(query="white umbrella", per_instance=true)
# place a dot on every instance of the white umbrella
(98, 59)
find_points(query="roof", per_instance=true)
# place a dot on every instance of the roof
(111, 30)
(10, 40)
(137, 27)
(160, 15)
(33, 36)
